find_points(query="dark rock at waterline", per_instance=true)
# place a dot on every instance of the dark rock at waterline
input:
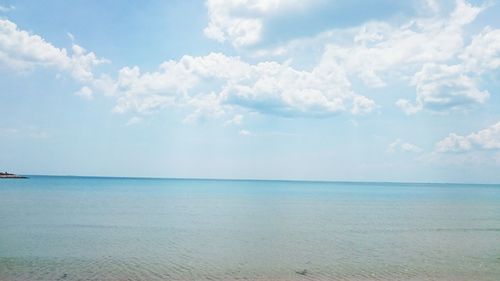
(5, 175)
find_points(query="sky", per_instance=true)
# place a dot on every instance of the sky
(256, 89)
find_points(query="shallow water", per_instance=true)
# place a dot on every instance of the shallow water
(75, 228)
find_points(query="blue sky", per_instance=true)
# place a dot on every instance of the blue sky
(276, 89)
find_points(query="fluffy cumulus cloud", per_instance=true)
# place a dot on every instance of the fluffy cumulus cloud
(241, 21)
(429, 49)
(483, 53)
(432, 53)
(219, 85)
(378, 47)
(23, 51)
(486, 139)
(441, 87)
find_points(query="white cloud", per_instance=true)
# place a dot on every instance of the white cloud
(454, 143)
(22, 51)
(400, 145)
(282, 90)
(241, 21)
(486, 139)
(105, 84)
(483, 53)
(220, 86)
(217, 85)
(86, 93)
(82, 62)
(362, 104)
(205, 106)
(431, 49)
(375, 47)
(442, 88)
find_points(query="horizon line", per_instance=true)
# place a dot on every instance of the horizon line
(255, 179)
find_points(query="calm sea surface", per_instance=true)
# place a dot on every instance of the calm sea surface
(76, 228)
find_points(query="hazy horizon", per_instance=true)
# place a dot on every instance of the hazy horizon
(256, 179)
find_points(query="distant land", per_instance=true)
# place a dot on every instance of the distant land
(5, 175)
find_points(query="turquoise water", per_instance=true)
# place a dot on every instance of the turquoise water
(76, 228)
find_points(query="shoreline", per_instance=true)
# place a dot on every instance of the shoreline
(11, 176)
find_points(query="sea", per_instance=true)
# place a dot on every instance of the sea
(96, 228)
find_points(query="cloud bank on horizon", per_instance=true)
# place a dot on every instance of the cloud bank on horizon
(437, 53)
